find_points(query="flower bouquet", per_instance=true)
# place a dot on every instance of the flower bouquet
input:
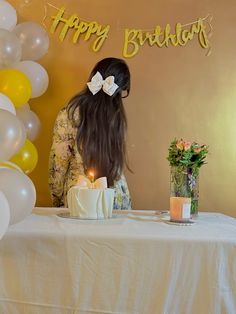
(185, 159)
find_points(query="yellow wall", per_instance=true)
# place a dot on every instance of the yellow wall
(176, 92)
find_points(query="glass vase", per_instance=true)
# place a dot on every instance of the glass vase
(185, 184)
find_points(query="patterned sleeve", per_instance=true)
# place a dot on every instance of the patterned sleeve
(122, 196)
(59, 156)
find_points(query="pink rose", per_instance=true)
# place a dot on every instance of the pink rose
(187, 145)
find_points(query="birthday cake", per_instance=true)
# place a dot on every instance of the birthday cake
(90, 201)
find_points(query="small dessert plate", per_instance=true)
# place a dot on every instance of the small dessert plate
(177, 223)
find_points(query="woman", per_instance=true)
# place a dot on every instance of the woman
(89, 134)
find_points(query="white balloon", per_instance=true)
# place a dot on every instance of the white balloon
(10, 48)
(20, 193)
(37, 75)
(31, 122)
(12, 134)
(6, 104)
(9, 164)
(4, 214)
(25, 107)
(34, 40)
(8, 17)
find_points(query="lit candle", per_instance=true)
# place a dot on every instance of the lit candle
(180, 208)
(91, 176)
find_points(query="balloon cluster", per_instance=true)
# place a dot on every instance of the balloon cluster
(21, 78)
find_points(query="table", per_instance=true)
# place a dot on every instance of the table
(128, 264)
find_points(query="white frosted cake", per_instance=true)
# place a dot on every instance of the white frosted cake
(90, 203)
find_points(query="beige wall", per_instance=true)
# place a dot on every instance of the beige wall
(176, 92)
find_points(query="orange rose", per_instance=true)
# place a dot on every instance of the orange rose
(180, 144)
(197, 150)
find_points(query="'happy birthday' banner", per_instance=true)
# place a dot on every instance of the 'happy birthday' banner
(134, 39)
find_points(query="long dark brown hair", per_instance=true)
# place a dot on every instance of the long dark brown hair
(102, 123)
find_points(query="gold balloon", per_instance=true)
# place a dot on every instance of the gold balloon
(16, 86)
(27, 157)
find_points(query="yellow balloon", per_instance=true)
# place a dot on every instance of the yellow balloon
(16, 86)
(27, 157)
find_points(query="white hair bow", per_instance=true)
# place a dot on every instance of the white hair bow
(97, 83)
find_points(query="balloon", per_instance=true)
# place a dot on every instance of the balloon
(6, 104)
(31, 122)
(12, 134)
(15, 85)
(10, 48)
(4, 214)
(26, 158)
(19, 191)
(8, 17)
(25, 107)
(37, 75)
(34, 40)
(8, 164)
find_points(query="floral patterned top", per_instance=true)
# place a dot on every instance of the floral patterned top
(65, 165)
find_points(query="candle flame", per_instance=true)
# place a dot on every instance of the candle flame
(91, 175)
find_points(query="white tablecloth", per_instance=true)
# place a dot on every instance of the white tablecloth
(53, 265)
